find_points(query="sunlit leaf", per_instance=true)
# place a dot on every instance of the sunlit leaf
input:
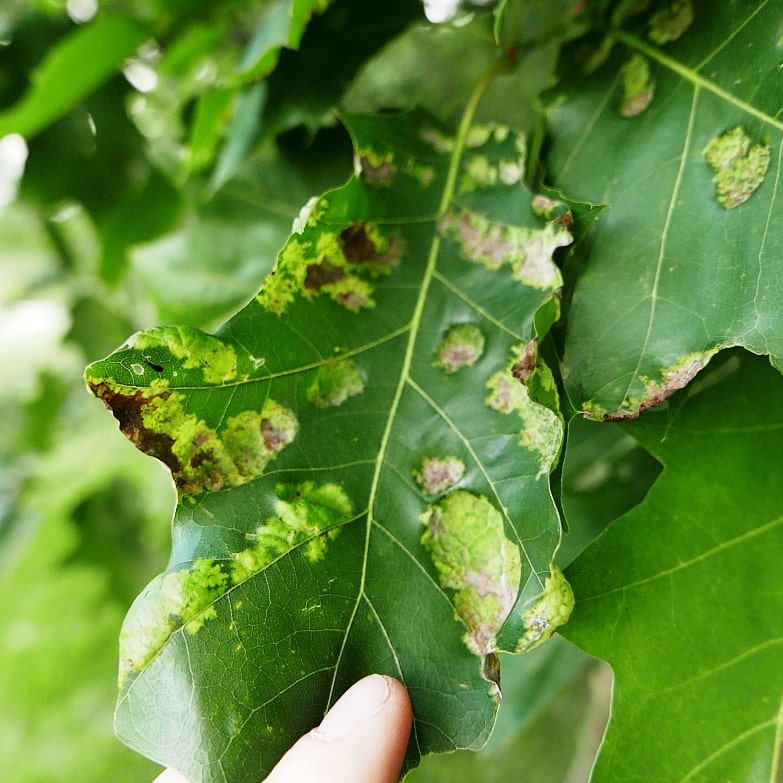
(362, 470)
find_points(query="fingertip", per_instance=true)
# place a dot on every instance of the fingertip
(170, 776)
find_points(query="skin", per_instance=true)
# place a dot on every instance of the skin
(362, 739)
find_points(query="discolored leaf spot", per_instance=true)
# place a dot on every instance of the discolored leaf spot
(334, 383)
(638, 86)
(676, 377)
(740, 168)
(552, 210)
(551, 610)
(670, 22)
(438, 140)
(541, 427)
(528, 251)
(461, 346)
(307, 515)
(323, 274)
(194, 348)
(501, 160)
(464, 534)
(437, 475)
(524, 366)
(360, 246)
(375, 169)
(199, 457)
(340, 264)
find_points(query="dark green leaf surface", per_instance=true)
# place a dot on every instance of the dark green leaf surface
(370, 393)
(676, 270)
(683, 596)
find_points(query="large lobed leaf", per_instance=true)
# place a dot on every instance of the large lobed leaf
(683, 596)
(362, 470)
(679, 133)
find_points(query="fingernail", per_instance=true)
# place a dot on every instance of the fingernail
(359, 704)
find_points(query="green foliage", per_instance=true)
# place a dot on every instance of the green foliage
(397, 260)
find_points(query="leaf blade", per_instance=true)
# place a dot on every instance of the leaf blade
(686, 583)
(323, 396)
(660, 293)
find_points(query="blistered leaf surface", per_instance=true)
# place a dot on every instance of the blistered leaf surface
(682, 596)
(334, 462)
(679, 134)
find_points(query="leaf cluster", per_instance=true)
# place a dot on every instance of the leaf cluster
(450, 307)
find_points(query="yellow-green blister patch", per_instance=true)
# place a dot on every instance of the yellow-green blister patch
(462, 346)
(193, 348)
(528, 251)
(542, 429)
(551, 610)
(306, 515)
(200, 458)
(335, 381)
(465, 536)
(373, 168)
(437, 475)
(670, 22)
(740, 168)
(341, 265)
(638, 86)
(183, 598)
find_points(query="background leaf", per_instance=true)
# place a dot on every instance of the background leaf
(372, 327)
(682, 596)
(72, 70)
(673, 275)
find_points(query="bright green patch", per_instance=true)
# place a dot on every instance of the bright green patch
(528, 251)
(200, 458)
(461, 346)
(437, 475)
(465, 536)
(740, 168)
(551, 610)
(335, 381)
(340, 265)
(671, 21)
(542, 429)
(638, 86)
(194, 348)
(306, 516)
(171, 601)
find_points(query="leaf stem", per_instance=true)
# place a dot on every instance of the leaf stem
(462, 131)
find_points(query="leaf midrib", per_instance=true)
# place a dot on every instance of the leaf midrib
(415, 321)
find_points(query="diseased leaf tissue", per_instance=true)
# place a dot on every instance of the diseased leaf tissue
(363, 421)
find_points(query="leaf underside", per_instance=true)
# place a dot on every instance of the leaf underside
(371, 392)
